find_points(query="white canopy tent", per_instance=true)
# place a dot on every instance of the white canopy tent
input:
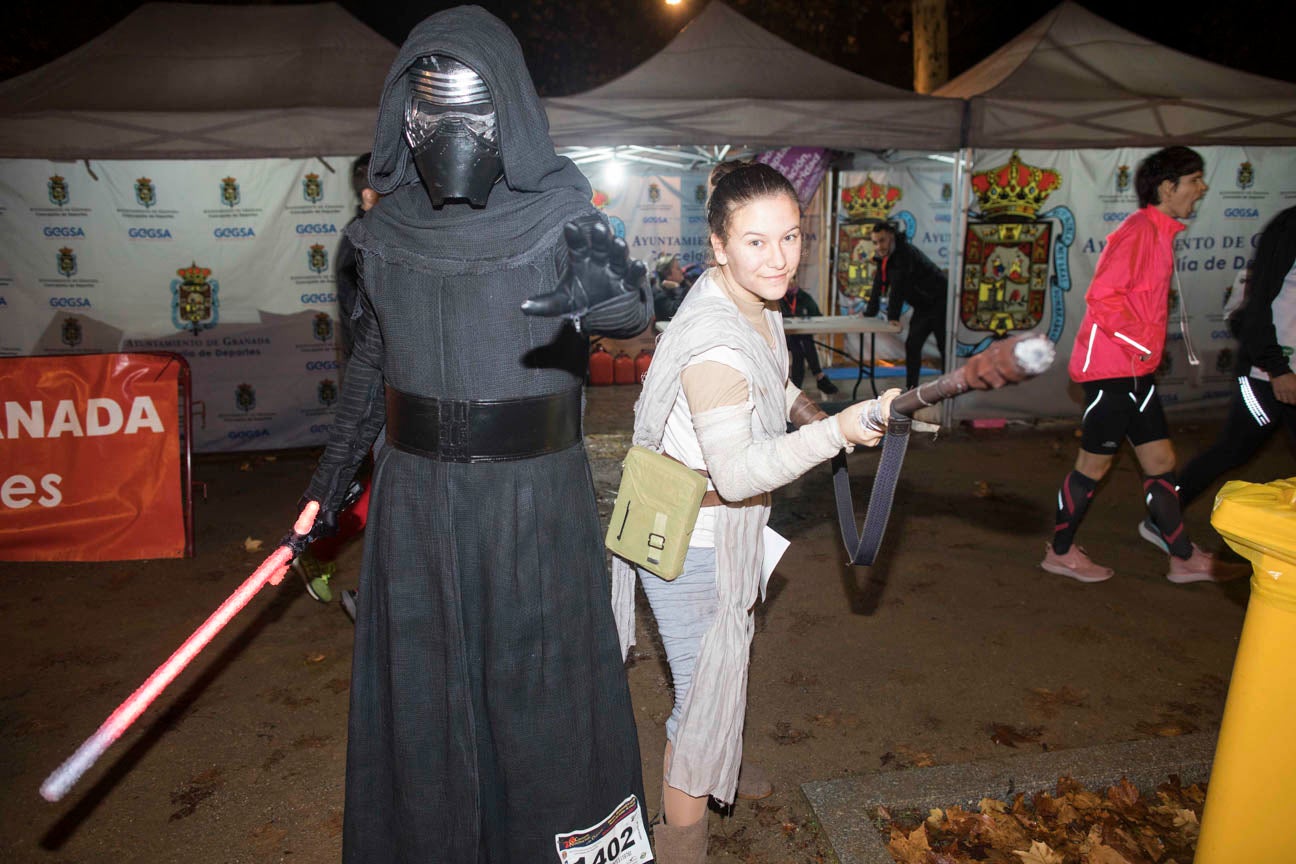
(190, 81)
(1085, 100)
(1074, 79)
(726, 80)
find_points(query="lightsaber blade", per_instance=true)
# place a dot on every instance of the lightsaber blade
(272, 570)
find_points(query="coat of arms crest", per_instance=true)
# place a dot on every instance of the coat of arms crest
(194, 304)
(1007, 253)
(327, 392)
(322, 327)
(865, 205)
(317, 258)
(229, 192)
(245, 397)
(71, 332)
(145, 192)
(58, 191)
(313, 188)
(67, 262)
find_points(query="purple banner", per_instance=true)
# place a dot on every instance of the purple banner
(803, 166)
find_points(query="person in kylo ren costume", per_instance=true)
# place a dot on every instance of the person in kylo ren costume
(489, 706)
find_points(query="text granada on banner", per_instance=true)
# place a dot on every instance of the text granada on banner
(90, 458)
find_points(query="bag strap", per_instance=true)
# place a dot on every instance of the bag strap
(862, 546)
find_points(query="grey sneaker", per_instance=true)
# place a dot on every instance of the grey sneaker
(349, 604)
(1151, 533)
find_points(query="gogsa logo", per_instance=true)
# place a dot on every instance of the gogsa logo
(654, 220)
(320, 298)
(149, 233)
(240, 232)
(321, 365)
(1114, 217)
(245, 434)
(317, 228)
(1241, 213)
(63, 231)
(70, 302)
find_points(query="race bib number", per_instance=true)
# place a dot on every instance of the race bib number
(619, 838)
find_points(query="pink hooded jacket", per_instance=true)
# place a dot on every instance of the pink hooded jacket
(1124, 327)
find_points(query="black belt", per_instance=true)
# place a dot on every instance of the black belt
(465, 430)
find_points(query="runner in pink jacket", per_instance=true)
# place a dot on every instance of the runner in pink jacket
(1124, 326)
(1116, 352)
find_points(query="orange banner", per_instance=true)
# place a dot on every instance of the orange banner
(90, 458)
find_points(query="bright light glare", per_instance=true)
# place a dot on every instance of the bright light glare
(614, 172)
(673, 2)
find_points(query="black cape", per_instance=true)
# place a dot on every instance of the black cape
(489, 705)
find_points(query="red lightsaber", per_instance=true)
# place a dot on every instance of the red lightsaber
(272, 570)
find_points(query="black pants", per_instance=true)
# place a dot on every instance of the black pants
(924, 323)
(802, 352)
(1254, 414)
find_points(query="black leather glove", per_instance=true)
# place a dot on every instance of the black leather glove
(601, 286)
(325, 525)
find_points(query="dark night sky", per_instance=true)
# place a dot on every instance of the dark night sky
(575, 45)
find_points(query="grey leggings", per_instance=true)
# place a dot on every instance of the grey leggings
(684, 610)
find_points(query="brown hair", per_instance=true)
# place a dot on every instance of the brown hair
(734, 184)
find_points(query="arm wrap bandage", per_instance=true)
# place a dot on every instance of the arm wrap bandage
(741, 467)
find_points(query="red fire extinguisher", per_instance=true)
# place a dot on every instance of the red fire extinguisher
(642, 362)
(623, 368)
(600, 366)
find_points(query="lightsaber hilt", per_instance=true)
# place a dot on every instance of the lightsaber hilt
(1009, 361)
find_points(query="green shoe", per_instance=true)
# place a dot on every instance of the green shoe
(316, 574)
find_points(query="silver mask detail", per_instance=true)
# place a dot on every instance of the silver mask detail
(450, 126)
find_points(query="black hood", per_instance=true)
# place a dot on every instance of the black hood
(473, 36)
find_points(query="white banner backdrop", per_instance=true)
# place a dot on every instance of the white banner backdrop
(229, 264)
(1033, 277)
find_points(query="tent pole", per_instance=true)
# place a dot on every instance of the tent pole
(958, 222)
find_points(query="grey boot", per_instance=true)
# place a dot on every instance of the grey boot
(686, 845)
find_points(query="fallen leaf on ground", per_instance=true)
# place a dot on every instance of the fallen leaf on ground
(1166, 728)
(250, 545)
(915, 758)
(1186, 821)
(1106, 855)
(981, 489)
(1039, 853)
(1077, 826)
(1001, 733)
(911, 849)
(1124, 795)
(785, 733)
(246, 466)
(766, 814)
(1047, 702)
(315, 658)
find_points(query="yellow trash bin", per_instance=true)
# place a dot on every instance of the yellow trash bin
(1251, 801)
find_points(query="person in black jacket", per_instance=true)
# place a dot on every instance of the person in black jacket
(906, 275)
(801, 347)
(668, 288)
(1264, 395)
(348, 270)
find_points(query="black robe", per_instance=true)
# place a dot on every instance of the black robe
(489, 704)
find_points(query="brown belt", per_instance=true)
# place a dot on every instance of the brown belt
(712, 497)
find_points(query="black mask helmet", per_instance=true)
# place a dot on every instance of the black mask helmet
(451, 129)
